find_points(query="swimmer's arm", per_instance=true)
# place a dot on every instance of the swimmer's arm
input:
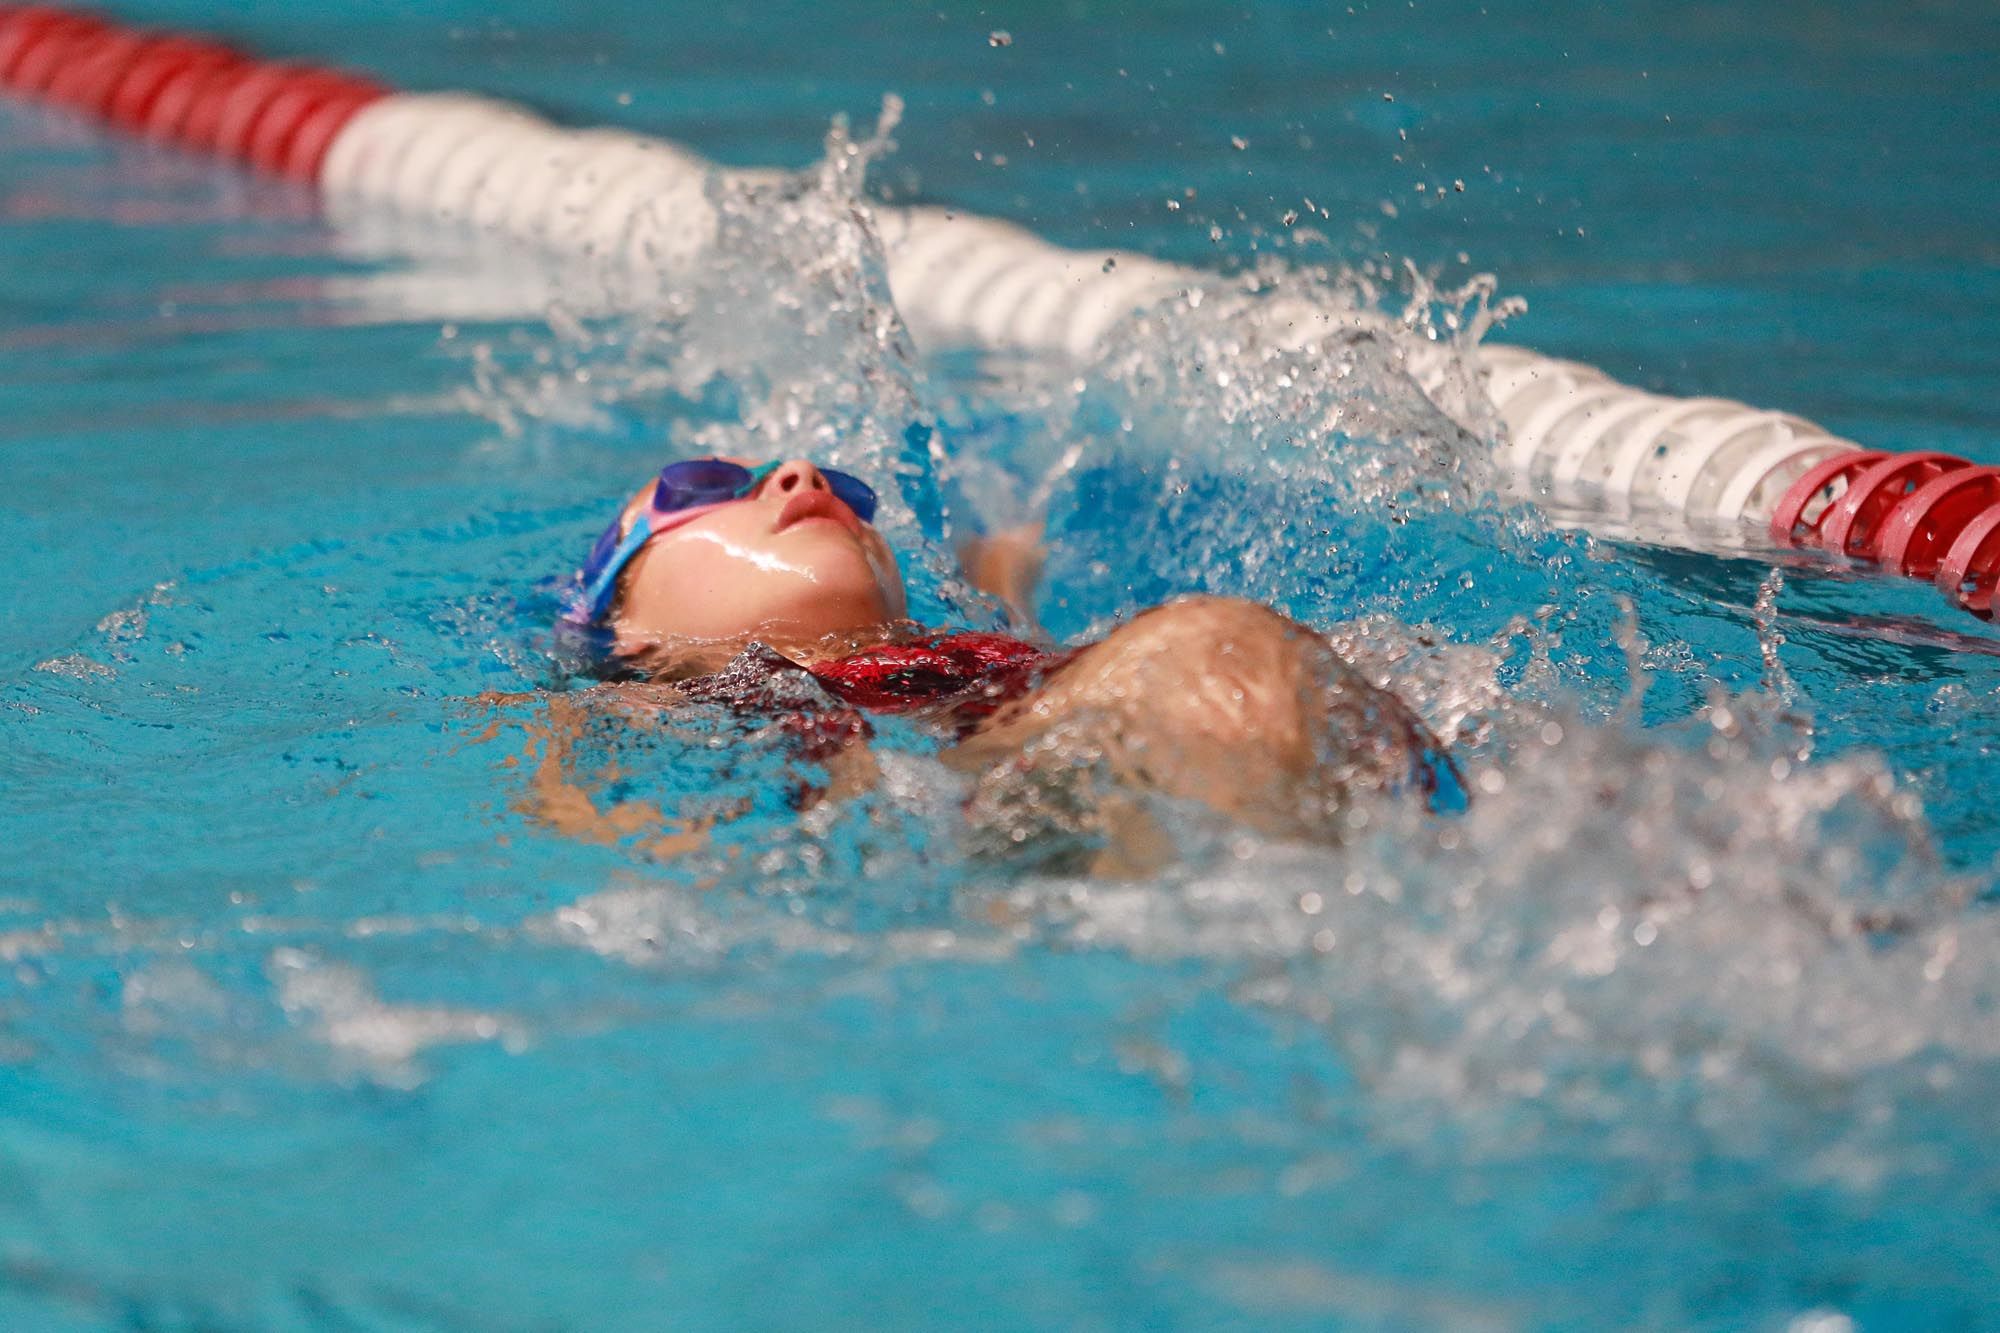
(559, 795)
(851, 771)
(1007, 565)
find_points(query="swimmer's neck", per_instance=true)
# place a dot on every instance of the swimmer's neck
(674, 659)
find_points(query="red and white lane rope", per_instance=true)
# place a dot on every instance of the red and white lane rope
(199, 94)
(1573, 434)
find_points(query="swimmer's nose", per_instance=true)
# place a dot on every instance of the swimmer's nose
(793, 476)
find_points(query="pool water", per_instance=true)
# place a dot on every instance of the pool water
(310, 1022)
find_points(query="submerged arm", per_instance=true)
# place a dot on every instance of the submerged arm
(558, 792)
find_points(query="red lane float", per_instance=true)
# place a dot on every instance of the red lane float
(45, 35)
(1916, 538)
(1923, 515)
(84, 81)
(1805, 506)
(1851, 526)
(190, 92)
(139, 83)
(1970, 573)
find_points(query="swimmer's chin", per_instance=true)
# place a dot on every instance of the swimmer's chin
(672, 657)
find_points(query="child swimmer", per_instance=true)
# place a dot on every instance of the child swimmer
(719, 576)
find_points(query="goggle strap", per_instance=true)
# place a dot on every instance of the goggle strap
(600, 591)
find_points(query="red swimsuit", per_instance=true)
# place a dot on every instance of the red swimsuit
(975, 672)
(965, 675)
(968, 676)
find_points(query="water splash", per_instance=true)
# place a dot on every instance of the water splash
(780, 340)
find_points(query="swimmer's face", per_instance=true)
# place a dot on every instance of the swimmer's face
(788, 564)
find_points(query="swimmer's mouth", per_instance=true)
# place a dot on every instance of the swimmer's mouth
(813, 503)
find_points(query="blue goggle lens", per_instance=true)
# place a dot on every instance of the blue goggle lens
(851, 491)
(706, 481)
(700, 481)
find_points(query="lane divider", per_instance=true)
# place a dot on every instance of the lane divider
(1923, 515)
(1574, 436)
(186, 91)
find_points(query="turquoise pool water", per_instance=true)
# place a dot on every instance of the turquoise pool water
(308, 1024)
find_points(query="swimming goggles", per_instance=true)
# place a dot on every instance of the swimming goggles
(685, 491)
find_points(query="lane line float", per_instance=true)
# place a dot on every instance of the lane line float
(1573, 435)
